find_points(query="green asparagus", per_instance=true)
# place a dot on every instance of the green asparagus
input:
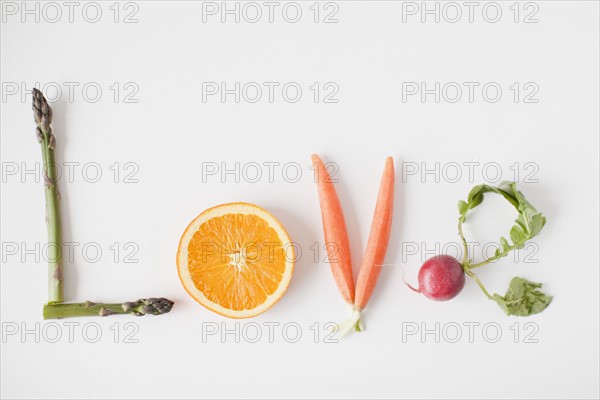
(55, 308)
(152, 306)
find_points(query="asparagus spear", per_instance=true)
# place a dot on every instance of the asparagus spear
(42, 114)
(55, 308)
(151, 306)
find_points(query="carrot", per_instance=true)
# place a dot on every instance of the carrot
(335, 232)
(378, 238)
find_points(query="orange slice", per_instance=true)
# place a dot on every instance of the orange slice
(235, 259)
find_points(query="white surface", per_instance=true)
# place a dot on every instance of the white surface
(170, 132)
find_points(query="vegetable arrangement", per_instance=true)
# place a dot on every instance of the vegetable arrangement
(338, 247)
(55, 308)
(238, 282)
(442, 277)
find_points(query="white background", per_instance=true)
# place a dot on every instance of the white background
(170, 132)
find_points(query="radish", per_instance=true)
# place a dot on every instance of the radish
(441, 278)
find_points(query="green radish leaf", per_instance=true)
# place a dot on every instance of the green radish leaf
(504, 244)
(517, 235)
(463, 207)
(504, 247)
(528, 224)
(523, 298)
(537, 222)
(476, 196)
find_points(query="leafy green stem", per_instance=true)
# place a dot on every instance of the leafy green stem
(478, 281)
(465, 259)
(496, 256)
(523, 297)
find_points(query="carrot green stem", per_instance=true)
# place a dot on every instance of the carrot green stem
(352, 323)
(359, 327)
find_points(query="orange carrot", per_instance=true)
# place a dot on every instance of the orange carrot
(378, 238)
(336, 234)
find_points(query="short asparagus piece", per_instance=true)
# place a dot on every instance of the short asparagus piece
(55, 308)
(42, 114)
(151, 306)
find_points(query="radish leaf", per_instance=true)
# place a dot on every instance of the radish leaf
(523, 298)
(528, 224)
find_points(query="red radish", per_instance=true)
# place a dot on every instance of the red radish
(378, 238)
(336, 234)
(441, 278)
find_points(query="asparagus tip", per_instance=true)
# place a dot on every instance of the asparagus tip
(153, 306)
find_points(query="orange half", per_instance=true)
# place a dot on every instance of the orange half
(235, 259)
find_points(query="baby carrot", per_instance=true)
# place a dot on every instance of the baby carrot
(378, 238)
(334, 229)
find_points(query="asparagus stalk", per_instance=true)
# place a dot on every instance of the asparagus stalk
(55, 308)
(42, 114)
(151, 306)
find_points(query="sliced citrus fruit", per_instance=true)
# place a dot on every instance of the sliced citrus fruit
(235, 259)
